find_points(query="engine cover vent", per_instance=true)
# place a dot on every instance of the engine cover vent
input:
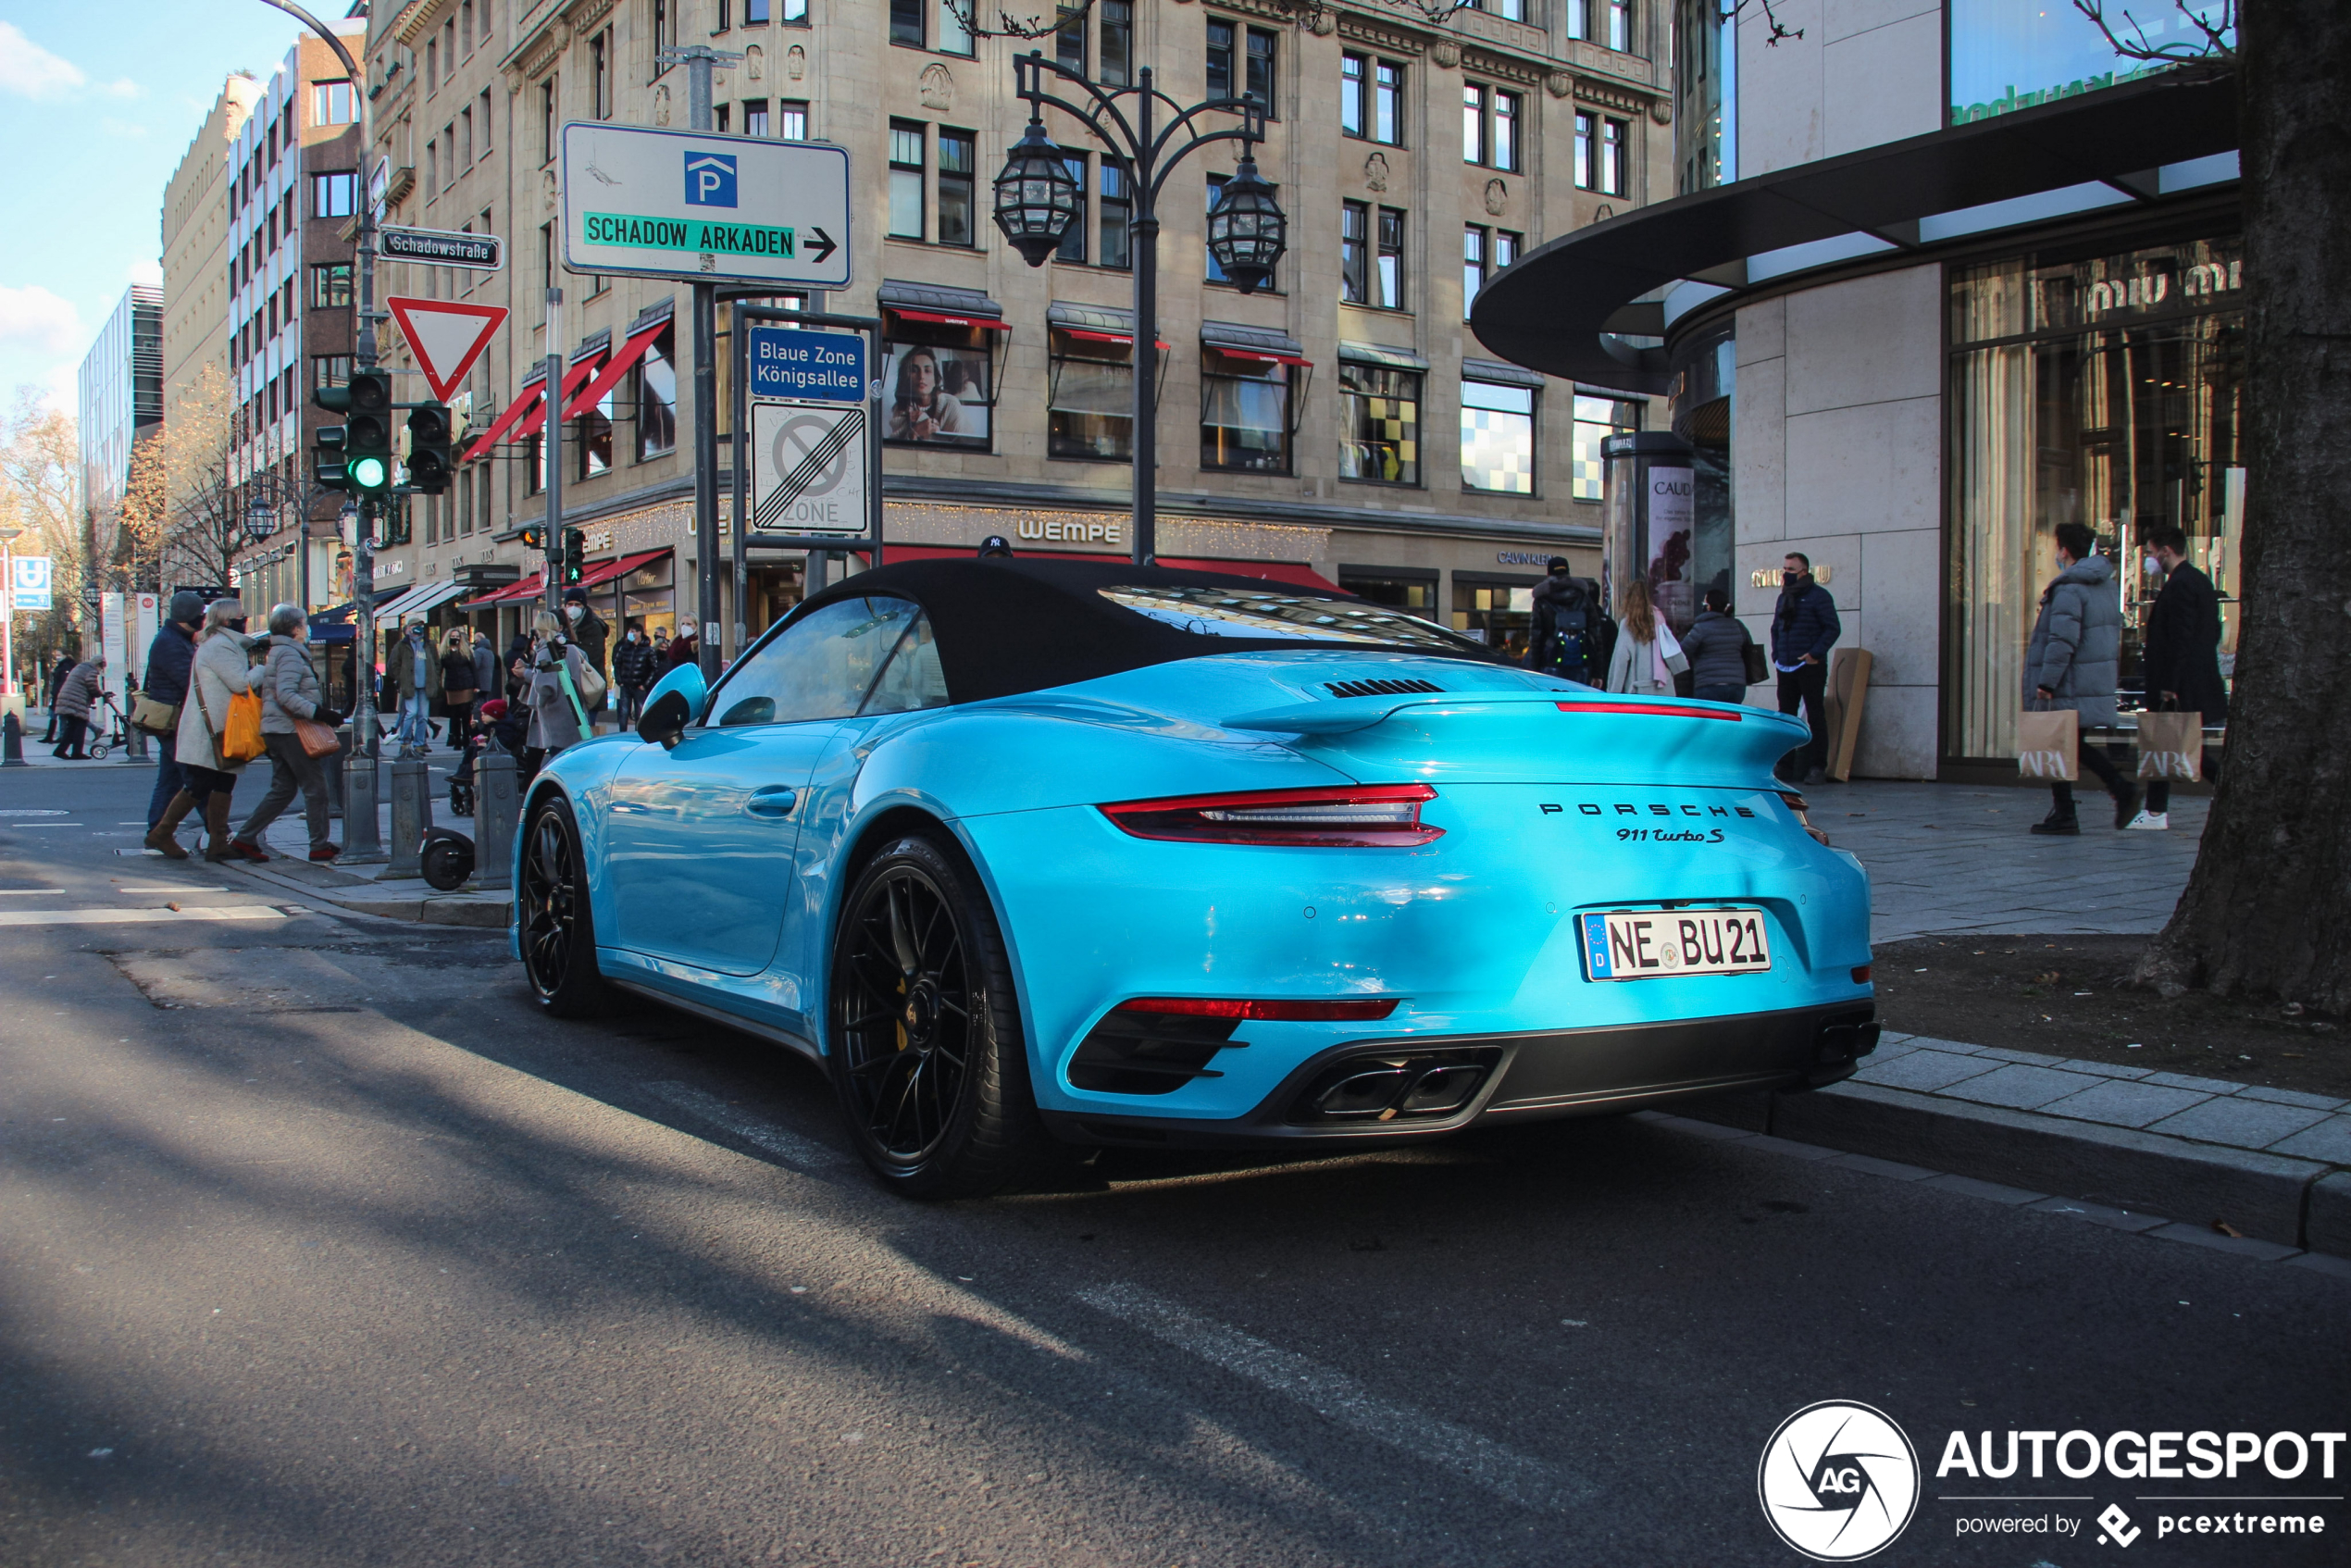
(1379, 687)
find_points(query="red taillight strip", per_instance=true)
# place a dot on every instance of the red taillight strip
(1283, 817)
(1343, 795)
(1236, 1007)
(1672, 709)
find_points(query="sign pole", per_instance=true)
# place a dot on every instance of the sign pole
(700, 59)
(551, 591)
(739, 512)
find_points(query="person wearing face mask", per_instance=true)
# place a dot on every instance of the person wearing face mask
(414, 671)
(632, 672)
(558, 719)
(2182, 657)
(589, 631)
(2073, 662)
(220, 671)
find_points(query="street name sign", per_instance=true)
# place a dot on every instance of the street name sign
(650, 203)
(810, 464)
(441, 247)
(447, 336)
(805, 366)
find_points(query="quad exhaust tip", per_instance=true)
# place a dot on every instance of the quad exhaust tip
(1401, 1086)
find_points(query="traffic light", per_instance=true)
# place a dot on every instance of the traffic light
(575, 557)
(365, 405)
(326, 459)
(429, 460)
(533, 537)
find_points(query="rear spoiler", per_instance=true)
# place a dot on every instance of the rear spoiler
(1345, 716)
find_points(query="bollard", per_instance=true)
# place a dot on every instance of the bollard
(411, 814)
(495, 808)
(12, 742)
(332, 767)
(362, 839)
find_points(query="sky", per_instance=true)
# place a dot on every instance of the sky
(98, 104)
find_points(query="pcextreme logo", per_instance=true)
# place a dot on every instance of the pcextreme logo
(1838, 1481)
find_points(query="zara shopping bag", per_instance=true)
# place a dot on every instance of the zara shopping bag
(2046, 744)
(2171, 746)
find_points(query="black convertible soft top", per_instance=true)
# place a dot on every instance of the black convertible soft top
(1007, 626)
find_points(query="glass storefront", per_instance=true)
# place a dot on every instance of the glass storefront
(2107, 389)
(2010, 55)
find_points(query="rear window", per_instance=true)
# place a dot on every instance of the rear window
(1259, 613)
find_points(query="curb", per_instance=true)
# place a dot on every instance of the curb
(480, 911)
(2273, 1198)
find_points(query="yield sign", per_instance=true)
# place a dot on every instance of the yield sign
(447, 336)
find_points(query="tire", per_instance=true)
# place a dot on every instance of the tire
(925, 1046)
(559, 929)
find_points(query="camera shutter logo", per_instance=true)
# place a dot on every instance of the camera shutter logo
(1838, 1481)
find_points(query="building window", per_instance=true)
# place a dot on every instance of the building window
(1117, 212)
(1355, 252)
(1241, 63)
(665, 30)
(547, 121)
(432, 170)
(1379, 421)
(656, 399)
(329, 371)
(1398, 588)
(1388, 275)
(791, 119)
(1596, 419)
(1620, 24)
(906, 22)
(755, 117)
(1216, 183)
(333, 195)
(724, 123)
(795, 12)
(1073, 245)
(332, 103)
(432, 66)
(600, 66)
(1490, 126)
(905, 179)
(955, 37)
(1069, 39)
(1091, 400)
(1497, 438)
(466, 133)
(1244, 414)
(958, 175)
(941, 388)
(1371, 98)
(756, 13)
(594, 437)
(330, 286)
(1115, 66)
(1484, 253)
(481, 119)
(1613, 135)
(1508, 10)
(534, 464)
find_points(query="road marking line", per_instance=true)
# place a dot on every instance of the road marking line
(134, 917)
(171, 888)
(789, 1146)
(1337, 1396)
(28, 892)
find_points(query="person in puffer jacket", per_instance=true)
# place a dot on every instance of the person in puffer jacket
(2074, 661)
(288, 687)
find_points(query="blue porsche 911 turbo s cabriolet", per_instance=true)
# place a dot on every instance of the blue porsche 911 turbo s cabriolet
(1028, 852)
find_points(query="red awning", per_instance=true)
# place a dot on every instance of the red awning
(1261, 359)
(574, 379)
(985, 323)
(524, 417)
(529, 400)
(614, 369)
(597, 575)
(1088, 335)
(1291, 572)
(513, 593)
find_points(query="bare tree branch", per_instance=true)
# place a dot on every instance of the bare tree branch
(2218, 46)
(1777, 30)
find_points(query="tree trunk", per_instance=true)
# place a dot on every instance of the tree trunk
(2268, 911)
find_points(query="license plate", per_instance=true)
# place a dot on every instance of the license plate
(1653, 944)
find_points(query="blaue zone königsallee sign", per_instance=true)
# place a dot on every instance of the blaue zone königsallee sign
(682, 203)
(787, 362)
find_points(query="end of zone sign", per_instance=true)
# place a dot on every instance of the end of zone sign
(652, 202)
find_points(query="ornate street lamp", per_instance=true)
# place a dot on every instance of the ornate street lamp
(1038, 199)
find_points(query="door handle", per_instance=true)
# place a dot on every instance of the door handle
(774, 800)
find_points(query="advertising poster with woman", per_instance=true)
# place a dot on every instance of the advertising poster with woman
(937, 395)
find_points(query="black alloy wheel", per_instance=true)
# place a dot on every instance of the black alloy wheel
(558, 934)
(926, 1051)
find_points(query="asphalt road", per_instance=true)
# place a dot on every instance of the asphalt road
(318, 1247)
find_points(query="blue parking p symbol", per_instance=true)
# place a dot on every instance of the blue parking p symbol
(709, 180)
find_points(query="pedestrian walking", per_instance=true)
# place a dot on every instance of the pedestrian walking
(1804, 627)
(2074, 661)
(1638, 664)
(50, 687)
(414, 671)
(632, 672)
(458, 690)
(221, 671)
(1716, 646)
(1566, 638)
(76, 695)
(167, 686)
(589, 631)
(288, 687)
(485, 682)
(519, 654)
(2182, 657)
(558, 716)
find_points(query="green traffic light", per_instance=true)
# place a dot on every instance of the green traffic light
(369, 473)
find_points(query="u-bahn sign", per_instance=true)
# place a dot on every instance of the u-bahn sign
(688, 203)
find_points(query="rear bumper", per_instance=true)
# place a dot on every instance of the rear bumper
(1530, 1076)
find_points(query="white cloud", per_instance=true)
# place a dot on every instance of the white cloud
(33, 318)
(26, 68)
(144, 271)
(123, 87)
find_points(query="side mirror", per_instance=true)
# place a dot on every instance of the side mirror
(671, 706)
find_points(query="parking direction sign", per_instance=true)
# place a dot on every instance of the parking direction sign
(809, 467)
(685, 204)
(805, 366)
(29, 583)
